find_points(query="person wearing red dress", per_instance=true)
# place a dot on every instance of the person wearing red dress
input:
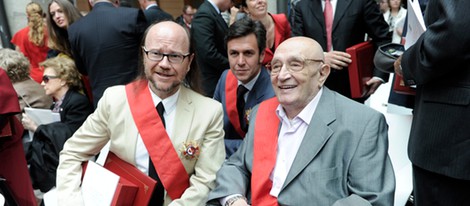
(32, 40)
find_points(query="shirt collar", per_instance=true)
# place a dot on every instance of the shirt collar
(169, 103)
(306, 114)
(215, 6)
(151, 5)
(251, 83)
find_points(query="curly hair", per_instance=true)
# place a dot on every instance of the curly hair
(58, 37)
(65, 69)
(15, 64)
(35, 23)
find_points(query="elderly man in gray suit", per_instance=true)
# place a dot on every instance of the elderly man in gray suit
(327, 150)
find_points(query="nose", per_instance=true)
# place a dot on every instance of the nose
(165, 63)
(284, 73)
(241, 60)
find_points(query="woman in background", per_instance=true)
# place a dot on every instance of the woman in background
(277, 27)
(32, 40)
(395, 17)
(30, 93)
(61, 81)
(61, 14)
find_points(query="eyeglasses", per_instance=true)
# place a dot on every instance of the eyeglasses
(46, 78)
(172, 58)
(291, 66)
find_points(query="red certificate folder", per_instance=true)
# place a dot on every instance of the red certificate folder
(361, 68)
(134, 187)
(400, 87)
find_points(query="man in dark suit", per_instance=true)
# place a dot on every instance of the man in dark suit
(105, 45)
(246, 41)
(187, 17)
(153, 13)
(439, 64)
(308, 145)
(207, 35)
(352, 20)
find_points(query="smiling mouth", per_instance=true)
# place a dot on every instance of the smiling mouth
(287, 87)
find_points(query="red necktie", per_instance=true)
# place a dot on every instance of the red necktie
(328, 13)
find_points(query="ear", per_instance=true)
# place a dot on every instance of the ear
(190, 60)
(261, 56)
(324, 72)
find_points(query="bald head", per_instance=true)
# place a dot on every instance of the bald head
(167, 31)
(298, 73)
(303, 46)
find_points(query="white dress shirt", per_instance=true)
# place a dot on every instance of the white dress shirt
(141, 153)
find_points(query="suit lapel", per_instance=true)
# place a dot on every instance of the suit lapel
(316, 136)
(184, 116)
(341, 7)
(317, 11)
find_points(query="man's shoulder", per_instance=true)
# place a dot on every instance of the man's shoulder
(199, 100)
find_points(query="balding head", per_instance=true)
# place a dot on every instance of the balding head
(298, 73)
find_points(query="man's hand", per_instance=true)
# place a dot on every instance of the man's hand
(397, 67)
(337, 59)
(240, 202)
(372, 86)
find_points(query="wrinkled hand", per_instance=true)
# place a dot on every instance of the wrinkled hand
(337, 60)
(372, 86)
(28, 123)
(397, 67)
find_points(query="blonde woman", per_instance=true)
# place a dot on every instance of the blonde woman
(32, 40)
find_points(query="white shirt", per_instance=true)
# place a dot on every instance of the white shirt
(290, 137)
(141, 153)
(249, 85)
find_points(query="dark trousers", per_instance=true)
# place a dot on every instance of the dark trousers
(435, 189)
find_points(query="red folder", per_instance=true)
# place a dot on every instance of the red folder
(361, 68)
(400, 87)
(134, 187)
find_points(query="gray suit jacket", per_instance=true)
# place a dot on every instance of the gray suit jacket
(342, 160)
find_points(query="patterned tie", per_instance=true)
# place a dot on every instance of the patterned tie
(328, 13)
(241, 91)
(157, 196)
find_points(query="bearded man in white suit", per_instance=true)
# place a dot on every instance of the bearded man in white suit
(126, 117)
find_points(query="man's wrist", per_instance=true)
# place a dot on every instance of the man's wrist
(234, 199)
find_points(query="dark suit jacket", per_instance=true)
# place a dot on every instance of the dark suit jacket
(105, 45)
(49, 139)
(208, 30)
(156, 14)
(352, 20)
(439, 64)
(261, 91)
(343, 158)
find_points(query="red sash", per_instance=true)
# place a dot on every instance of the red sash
(171, 171)
(264, 152)
(231, 83)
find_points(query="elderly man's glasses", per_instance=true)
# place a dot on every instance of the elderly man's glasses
(291, 66)
(172, 58)
(46, 78)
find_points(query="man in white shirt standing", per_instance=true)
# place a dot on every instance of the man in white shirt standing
(309, 145)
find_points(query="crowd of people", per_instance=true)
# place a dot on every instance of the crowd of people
(251, 110)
